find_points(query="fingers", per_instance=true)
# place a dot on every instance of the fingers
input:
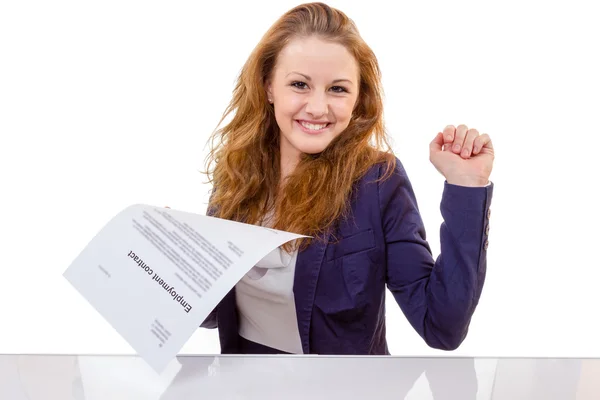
(448, 134)
(464, 141)
(459, 138)
(482, 141)
(467, 147)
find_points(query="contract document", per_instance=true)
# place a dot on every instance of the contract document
(155, 273)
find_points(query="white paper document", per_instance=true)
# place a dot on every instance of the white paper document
(155, 274)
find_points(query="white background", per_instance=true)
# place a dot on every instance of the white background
(108, 103)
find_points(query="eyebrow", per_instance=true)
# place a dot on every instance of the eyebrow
(309, 79)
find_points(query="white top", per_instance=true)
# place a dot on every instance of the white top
(265, 302)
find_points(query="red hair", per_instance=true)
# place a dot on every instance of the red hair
(243, 162)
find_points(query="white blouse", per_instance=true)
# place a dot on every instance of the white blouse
(265, 302)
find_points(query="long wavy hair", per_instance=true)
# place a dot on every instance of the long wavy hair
(243, 163)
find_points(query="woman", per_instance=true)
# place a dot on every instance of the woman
(306, 152)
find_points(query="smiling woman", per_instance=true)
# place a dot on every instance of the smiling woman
(314, 89)
(306, 151)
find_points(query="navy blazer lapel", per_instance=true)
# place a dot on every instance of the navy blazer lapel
(308, 266)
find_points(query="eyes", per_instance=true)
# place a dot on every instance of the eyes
(301, 85)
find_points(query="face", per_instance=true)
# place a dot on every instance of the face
(314, 88)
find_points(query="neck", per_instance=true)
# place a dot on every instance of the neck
(286, 168)
(287, 165)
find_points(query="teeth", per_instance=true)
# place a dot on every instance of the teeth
(313, 126)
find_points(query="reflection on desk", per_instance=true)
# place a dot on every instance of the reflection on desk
(89, 377)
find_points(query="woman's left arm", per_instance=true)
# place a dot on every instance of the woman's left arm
(439, 296)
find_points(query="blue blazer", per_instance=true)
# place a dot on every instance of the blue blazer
(339, 286)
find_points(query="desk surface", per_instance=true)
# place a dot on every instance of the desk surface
(92, 377)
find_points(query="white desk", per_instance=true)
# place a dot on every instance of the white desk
(92, 377)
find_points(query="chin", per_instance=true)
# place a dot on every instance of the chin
(313, 148)
(314, 151)
(309, 144)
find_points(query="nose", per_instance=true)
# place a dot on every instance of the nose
(317, 104)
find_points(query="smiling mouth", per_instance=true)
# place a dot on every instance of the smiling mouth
(313, 128)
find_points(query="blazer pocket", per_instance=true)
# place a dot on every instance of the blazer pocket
(356, 243)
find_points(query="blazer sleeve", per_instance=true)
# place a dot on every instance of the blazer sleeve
(438, 297)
